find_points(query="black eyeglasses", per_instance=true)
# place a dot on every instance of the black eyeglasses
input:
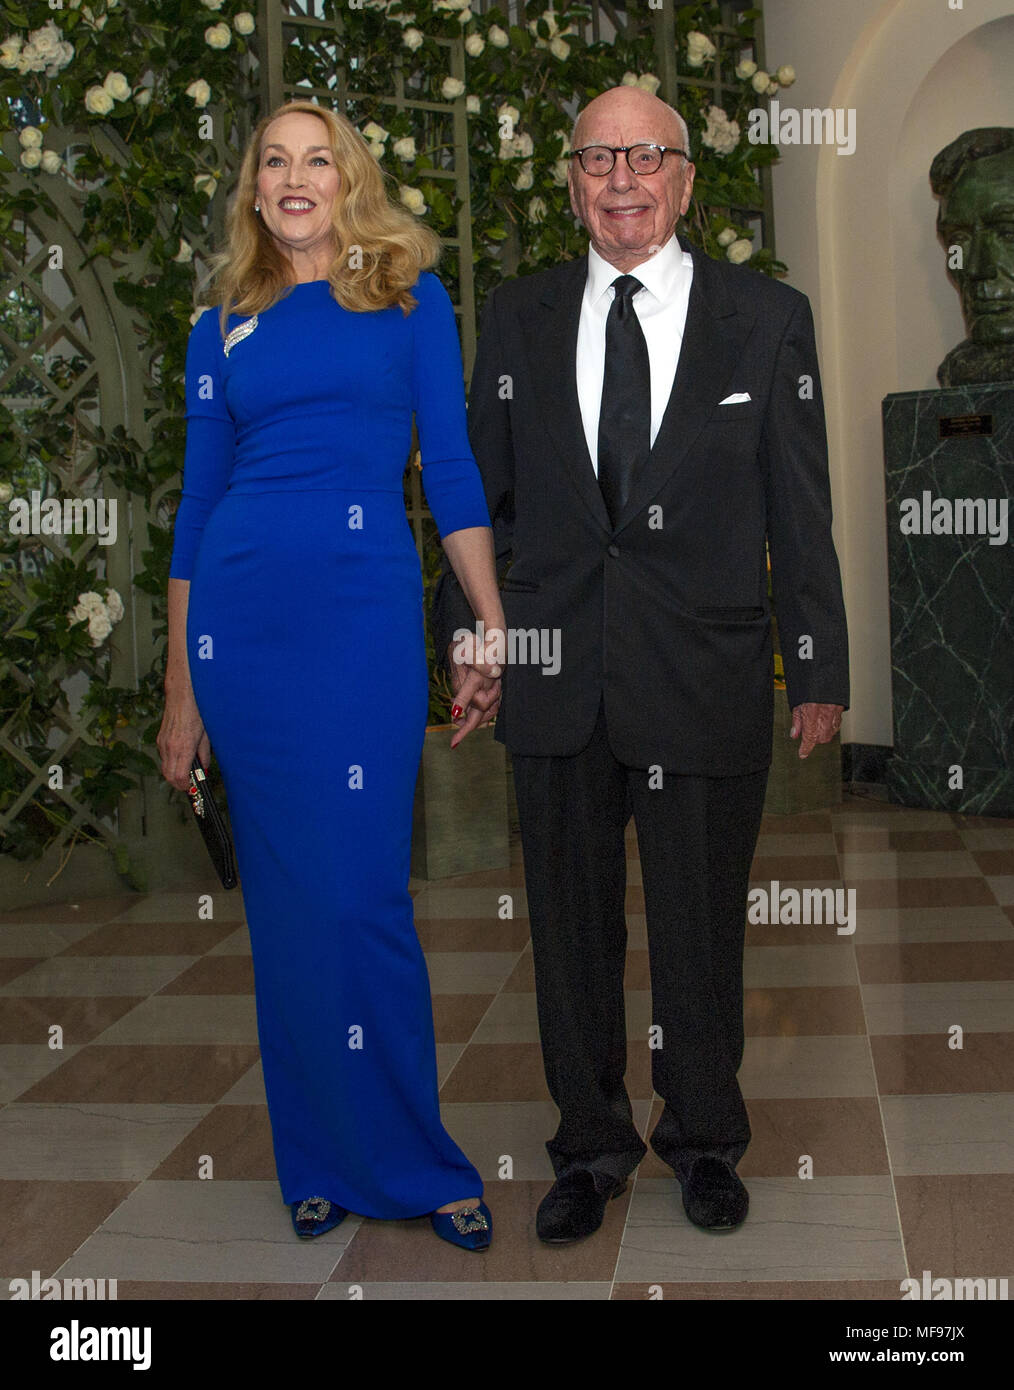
(598, 160)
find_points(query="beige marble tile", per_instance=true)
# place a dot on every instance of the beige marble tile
(41, 938)
(470, 902)
(542, 1291)
(447, 1059)
(22, 1064)
(248, 1090)
(236, 944)
(767, 967)
(469, 972)
(950, 1134)
(1002, 886)
(906, 864)
(226, 906)
(91, 1142)
(926, 924)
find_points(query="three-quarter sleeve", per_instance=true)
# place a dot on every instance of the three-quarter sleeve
(450, 475)
(210, 446)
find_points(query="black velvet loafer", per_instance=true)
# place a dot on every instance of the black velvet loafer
(575, 1205)
(713, 1196)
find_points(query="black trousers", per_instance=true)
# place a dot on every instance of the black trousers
(696, 837)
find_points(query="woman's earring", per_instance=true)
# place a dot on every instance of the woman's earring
(257, 206)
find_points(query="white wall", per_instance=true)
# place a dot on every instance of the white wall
(858, 234)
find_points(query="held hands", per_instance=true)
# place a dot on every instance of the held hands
(818, 723)
(180, 737)
(476, 678)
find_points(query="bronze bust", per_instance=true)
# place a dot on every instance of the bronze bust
(973, 177)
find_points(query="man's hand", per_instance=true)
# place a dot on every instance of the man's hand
(477, 689)
(818, 723)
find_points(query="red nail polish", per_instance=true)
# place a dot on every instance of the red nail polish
(456, 712)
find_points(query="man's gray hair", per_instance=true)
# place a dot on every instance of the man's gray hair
(681, 123)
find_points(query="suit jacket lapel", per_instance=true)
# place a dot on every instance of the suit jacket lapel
(550, 328)
(713, 341)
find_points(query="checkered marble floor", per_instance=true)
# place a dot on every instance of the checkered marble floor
(850, 1060)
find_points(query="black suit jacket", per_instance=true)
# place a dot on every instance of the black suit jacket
(667, 613)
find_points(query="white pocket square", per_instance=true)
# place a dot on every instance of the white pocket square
(737, 398)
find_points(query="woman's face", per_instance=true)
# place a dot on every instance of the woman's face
(297, 181)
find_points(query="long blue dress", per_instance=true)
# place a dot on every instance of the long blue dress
(306, 645)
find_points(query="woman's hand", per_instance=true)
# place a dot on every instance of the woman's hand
(180, 737)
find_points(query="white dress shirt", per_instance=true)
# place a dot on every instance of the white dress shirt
(661, 309)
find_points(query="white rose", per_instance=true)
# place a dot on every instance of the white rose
(376, 149)
(770, 89)
(117, 86)
(404, 148)
(474, 45)
(451, 87)
(9, 50)
(746, 69)
(205, 183)
(498, 37)
(559, 48)
(114, 604)
(30, 138)
(413, 199)
(524, 178)
(412, 39)
(473, 105)
(629, 79)
(727, 236)
(648, 82)
(6, 493)
(46, 40)
(31, 158)
(185, 254)
(212, 4)
(464, 17)
(510, 113)
(91, 602)
(739, 251)
(199, 91)
(244, 23)
(786, 75)
(559, 172)
(99, 628)
(143, 97)
(759, 81)
(700, 49)
(537, 210)
(52, 163)
(720, 134)
(525, 144)
(373, 131)
(98, 101)
(218, 36)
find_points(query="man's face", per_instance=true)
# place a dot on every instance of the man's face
(978, 216)
(629, 216)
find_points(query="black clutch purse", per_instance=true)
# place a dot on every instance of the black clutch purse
(212, 826)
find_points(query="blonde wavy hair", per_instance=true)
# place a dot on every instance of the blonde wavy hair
(251, 273)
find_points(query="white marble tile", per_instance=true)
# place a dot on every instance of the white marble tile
(981, 1006)
(927, 924)
(1002, 888)
(830, 1228)
(777, 1068)
(248, 1090)
(99, 976)
(520, 1292)
(221, 1231)
(42, 939)
(186, 1018)
(968, 1133)
(237, 943)
(23, 1064)
(438, 903)
(774, 967)
(226, 906)
(857, 865)
(94, 1142)
(469, 972)
(448, 1056)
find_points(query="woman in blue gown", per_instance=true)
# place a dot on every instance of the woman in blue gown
(297, 650)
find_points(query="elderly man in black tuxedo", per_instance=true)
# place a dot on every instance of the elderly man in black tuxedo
(645, 418)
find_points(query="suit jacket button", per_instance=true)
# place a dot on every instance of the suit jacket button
(614, 550)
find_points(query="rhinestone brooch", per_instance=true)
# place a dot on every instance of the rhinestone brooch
(240, 332)
(471, 1219)
(313, 1209)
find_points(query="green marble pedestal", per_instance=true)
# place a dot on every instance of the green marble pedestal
(951, 565)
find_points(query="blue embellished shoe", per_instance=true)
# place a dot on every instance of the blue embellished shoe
(471, 1228)
(315, 1216)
